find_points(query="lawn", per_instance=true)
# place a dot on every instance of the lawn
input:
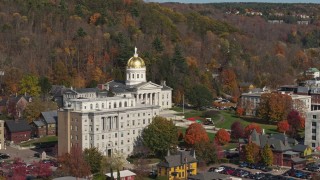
(191, 113)
(229, 118)
(38, 141)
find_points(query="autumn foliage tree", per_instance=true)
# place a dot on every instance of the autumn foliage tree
(296, 121)
(249, 128)
(222, 137)
(283, 126)
(207, 152)
(274, 106)
(267, 155)
(240, 111)
(195, 134)
(237, 130)
(251, 152)
(42, 170)
(73, 163)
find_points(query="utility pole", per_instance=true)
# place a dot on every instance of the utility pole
(183, 104)
(1, 74)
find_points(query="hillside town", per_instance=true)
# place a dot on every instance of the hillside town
(166, 91)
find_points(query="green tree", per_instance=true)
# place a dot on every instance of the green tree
(206, 152)
(267, 155)
(160, 136)
(30, 85)
(199, 96)
(158, 45)
(34, 108)
(45, 85)
(93, 157)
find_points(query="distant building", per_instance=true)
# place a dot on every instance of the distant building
(178, 166)
(312, 72)
(17, 131)
(312, 129)
(286, 151)
(124, 175)
(250, 102)
(112, 124)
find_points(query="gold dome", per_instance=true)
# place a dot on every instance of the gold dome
(136, 61)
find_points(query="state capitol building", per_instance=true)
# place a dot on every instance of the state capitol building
(91, 118)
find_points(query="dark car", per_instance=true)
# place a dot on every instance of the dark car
(265, 169)
(4, 156)
(36, 155)
(252, 166)
(243, 164)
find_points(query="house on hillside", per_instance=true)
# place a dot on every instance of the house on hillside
(38, 128)
(124, 175)
(17, 130)
(56, 94)
(178, 166)
(303, 150)
(50, 119)
(17, 104)
(282, 148)
(312, 72)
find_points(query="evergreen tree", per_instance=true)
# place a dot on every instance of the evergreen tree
(267, 155)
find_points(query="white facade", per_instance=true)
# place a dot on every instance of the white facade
(312, 129)
(111, 124)
(250, 102)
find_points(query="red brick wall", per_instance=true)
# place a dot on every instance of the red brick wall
(41, 131)
(277, 158)
(18, 136)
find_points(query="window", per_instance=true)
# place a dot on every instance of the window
(102, 137)
(314, 116)
(313, 145)
(134, 132)
(314, 130)
(76, 137)
(314, 124)
(102, 105)
(122, 125)
(121, 134)
(97, 106)
(85, 137)
(314, 138)
(132, 122)
(144, 121)
(116, 135)
(91, 106)
(121, 142)
(76, 128)
(71, 137)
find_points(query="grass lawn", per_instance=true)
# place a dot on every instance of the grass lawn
(230, 117)
(43, 140)
(191, 113)
(230, 146)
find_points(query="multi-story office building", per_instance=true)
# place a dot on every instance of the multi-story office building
(112, 124)
(312, 129)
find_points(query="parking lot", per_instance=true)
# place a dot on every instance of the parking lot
(249, 173)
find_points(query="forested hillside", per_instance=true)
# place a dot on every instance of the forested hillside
(80, 43)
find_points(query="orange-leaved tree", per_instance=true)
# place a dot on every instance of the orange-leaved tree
(194, 134)
(240, 111)
(283, 126)
(222, 137)
(248, 129)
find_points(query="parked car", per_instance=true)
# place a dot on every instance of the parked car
(4, 156)
(212, 169)
(243, 164)
(265, 169)
(219, 169)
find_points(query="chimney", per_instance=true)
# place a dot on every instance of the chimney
(163, 83)
(286, 140)
(168, 153)
(263, 131)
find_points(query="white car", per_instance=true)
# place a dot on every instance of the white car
(219, 169)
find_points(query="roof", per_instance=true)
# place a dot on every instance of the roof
(312, 70)
(298, 160)
(291, 153)
(50, 117)
(124, 173)
(57, 90)
(178, 159)
(300, 147)
(208, 176)
(39, 123)
(20, 125)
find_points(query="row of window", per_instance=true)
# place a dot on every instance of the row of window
(115, 105)
(129, 75)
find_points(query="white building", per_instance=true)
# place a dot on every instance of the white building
(312, 129)
(312, 72)
(112, 124)
(250, 102)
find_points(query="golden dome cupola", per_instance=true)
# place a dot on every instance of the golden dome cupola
(136, 70)
(136, 61)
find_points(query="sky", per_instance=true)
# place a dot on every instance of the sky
(217, 1)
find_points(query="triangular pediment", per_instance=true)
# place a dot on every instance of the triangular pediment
(148, 85)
